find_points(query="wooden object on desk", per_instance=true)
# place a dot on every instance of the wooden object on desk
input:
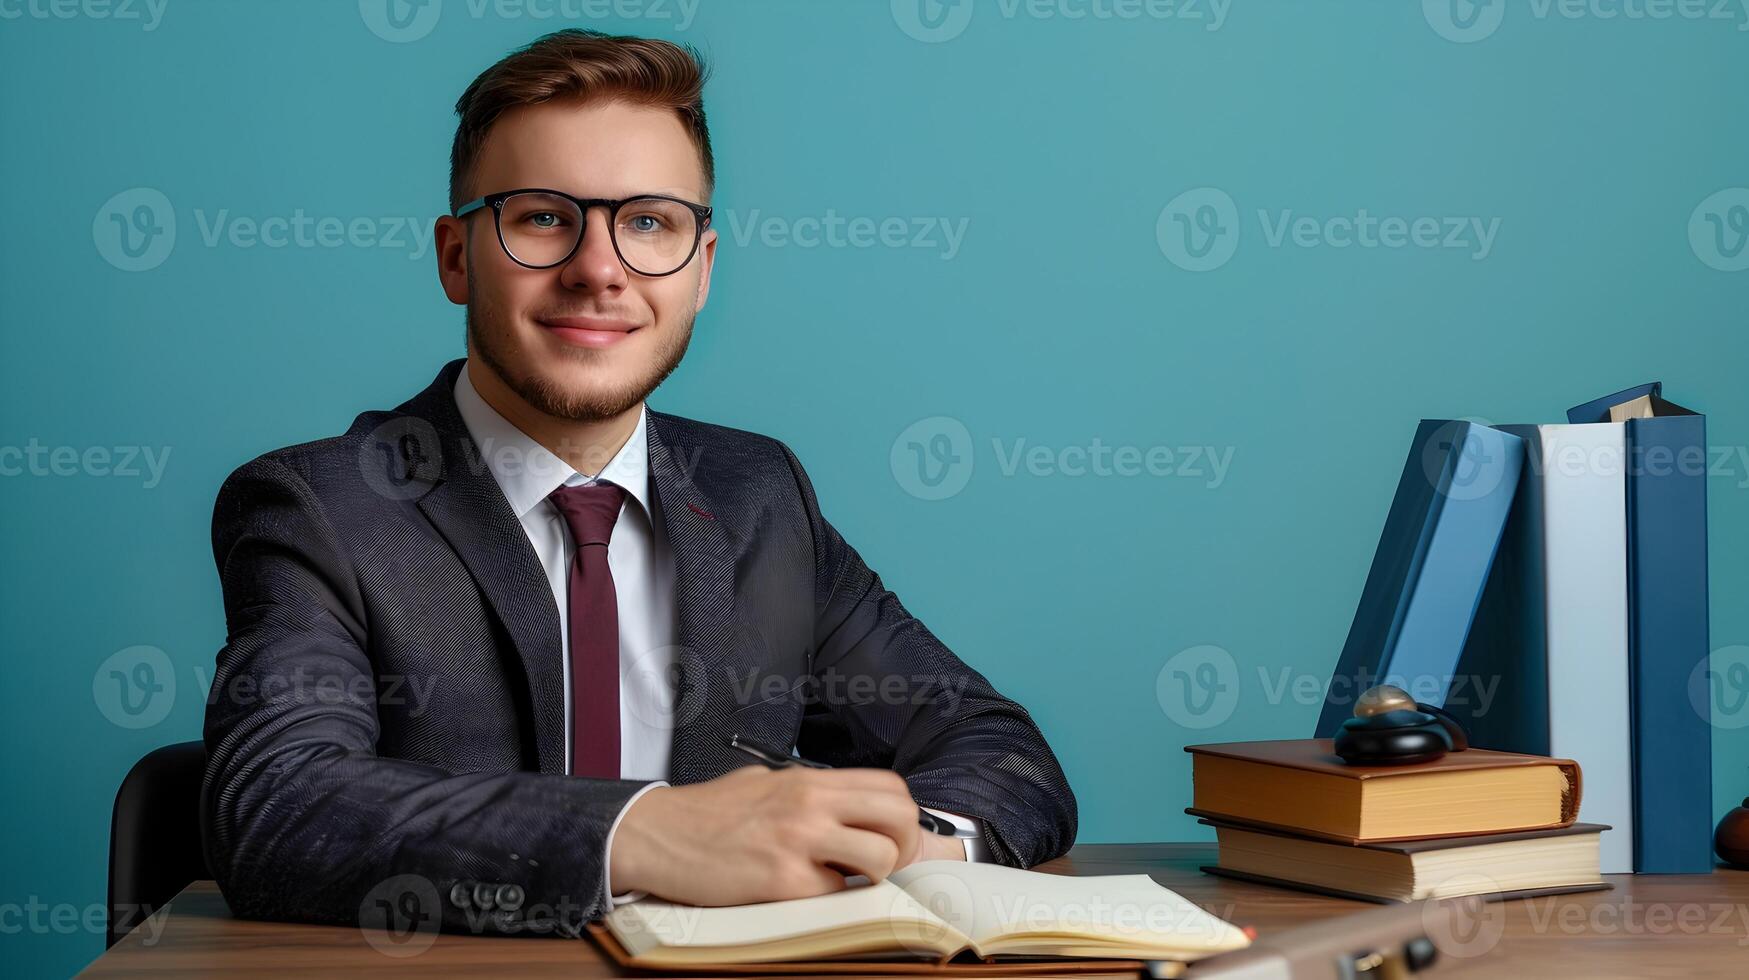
(1648, 925)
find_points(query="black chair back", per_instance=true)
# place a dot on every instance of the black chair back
(154, 836)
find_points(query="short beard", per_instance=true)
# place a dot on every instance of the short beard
(489, 335)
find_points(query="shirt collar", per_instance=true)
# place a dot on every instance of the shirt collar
(527, 471)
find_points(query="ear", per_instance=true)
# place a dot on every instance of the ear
(451, 238)
(707, 258)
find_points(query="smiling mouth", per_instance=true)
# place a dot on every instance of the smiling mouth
(588, 331)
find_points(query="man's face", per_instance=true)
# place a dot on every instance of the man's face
(586, 340)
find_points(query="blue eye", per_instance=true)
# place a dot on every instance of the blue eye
(645, 223)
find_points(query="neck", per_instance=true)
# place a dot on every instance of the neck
(584, 446)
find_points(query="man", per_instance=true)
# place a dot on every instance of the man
(494, 642)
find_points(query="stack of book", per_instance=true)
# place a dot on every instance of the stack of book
(1475, 822)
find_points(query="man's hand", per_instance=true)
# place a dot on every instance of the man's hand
(764, 835)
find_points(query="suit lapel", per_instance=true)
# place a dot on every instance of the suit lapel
(705, 550)
(469, 509)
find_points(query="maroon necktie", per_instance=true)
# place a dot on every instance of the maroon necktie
(590, 511)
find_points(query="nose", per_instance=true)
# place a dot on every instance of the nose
(594, 266)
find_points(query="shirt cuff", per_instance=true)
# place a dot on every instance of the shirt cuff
(607, 854)
(971, 834)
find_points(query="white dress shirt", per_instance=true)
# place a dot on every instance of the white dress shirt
(643, 581)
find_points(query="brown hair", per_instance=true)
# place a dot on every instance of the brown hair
(585, 66)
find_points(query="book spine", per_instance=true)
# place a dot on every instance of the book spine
(1583, 491)
(1671, 730)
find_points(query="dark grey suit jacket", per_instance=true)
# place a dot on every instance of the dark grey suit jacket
(386, 724)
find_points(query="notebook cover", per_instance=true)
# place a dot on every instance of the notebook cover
(989, 967)
(1430, 566)
(1380, 900)
(1318, 755)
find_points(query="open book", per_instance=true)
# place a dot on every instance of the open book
(933, 910)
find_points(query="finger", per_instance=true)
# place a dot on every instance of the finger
(857, 851)
(890, 814)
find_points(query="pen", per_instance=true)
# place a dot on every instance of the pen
(779, 760)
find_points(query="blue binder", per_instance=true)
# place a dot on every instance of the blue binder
(1431, 565)
(1667, 631)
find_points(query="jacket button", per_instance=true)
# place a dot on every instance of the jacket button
(459, 896)
(509, 897)
(483, 897)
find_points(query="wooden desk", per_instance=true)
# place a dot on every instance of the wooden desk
(1648, 926)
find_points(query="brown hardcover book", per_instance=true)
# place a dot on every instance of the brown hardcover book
(1300, 786)
(1535, 862)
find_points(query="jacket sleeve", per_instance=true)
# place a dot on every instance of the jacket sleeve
(302, 820)
(893, 696)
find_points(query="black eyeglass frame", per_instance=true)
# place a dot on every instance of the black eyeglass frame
(701, 212)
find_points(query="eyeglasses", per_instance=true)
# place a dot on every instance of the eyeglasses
(652, 234)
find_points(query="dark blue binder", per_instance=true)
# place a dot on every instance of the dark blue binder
(1667, 631)
(1430, 567)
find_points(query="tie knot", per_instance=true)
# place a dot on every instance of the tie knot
(590, 510)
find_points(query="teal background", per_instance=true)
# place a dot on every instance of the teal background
(1059, 321)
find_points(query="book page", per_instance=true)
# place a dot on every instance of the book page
(1093, 916)
(866, 917)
